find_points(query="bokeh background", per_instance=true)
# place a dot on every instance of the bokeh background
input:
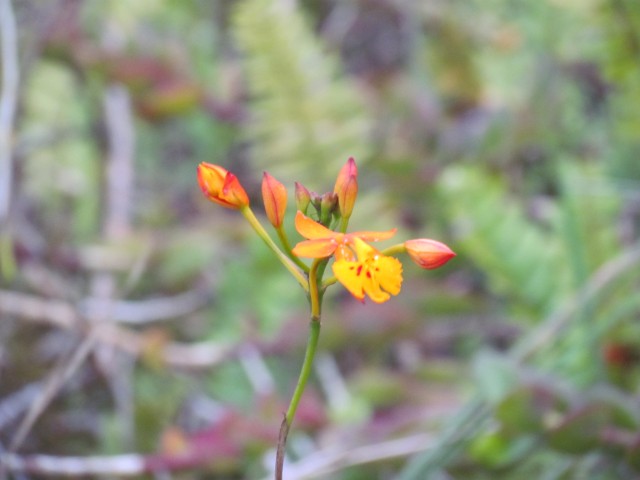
(148, 332)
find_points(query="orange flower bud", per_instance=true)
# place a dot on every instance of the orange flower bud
(221, 186)
(347, 187)
(428, 253)
(274, 196)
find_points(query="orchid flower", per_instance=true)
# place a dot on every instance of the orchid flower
(359, 267)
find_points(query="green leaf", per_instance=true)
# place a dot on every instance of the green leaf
(307, 120)
(525, 409)
(494, 374)
(579, 432)
(519, 259)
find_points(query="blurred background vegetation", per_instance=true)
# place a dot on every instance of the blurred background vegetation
(137, 318)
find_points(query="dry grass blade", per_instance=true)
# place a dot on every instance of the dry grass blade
(60, 375)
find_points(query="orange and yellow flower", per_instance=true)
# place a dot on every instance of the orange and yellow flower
(221, 186)
(362, 269)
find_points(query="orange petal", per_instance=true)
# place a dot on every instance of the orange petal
(311, 229)
(318, 248)
(373, 236)
(211, 178)
(233, 193)
(343, 252)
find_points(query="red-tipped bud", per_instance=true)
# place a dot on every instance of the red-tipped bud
(303, 198)
(428, 253)
(347, 187)
(274, 196)
(221, 186)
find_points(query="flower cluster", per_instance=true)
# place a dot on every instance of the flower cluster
(323, 221)
(358, 266)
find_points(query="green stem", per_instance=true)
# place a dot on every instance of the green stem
(305, 371)
(8, 265)
(329, 281)
(286, 261)
(287, 248)
(314, 292)
(344, 223)
(394, 250)
(312, 343)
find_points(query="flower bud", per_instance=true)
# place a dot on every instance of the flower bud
(221, 187)
(327, 206)
(274, 196)
(428, 253)
(303, 198)
(346, 187)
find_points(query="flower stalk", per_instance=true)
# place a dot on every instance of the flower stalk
(286, 261)
(315, 299)
(363, 270)
(284, 240)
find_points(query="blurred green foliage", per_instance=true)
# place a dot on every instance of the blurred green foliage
(507, 128)
(306, 118)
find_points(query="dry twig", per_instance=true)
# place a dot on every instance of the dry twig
(8, 102)
(324, 462)
(317, 465)
(64, 315)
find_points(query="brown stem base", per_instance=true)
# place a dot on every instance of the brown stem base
(282, 444)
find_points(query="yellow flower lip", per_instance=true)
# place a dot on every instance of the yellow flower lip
(372, 274)
(362, 269)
